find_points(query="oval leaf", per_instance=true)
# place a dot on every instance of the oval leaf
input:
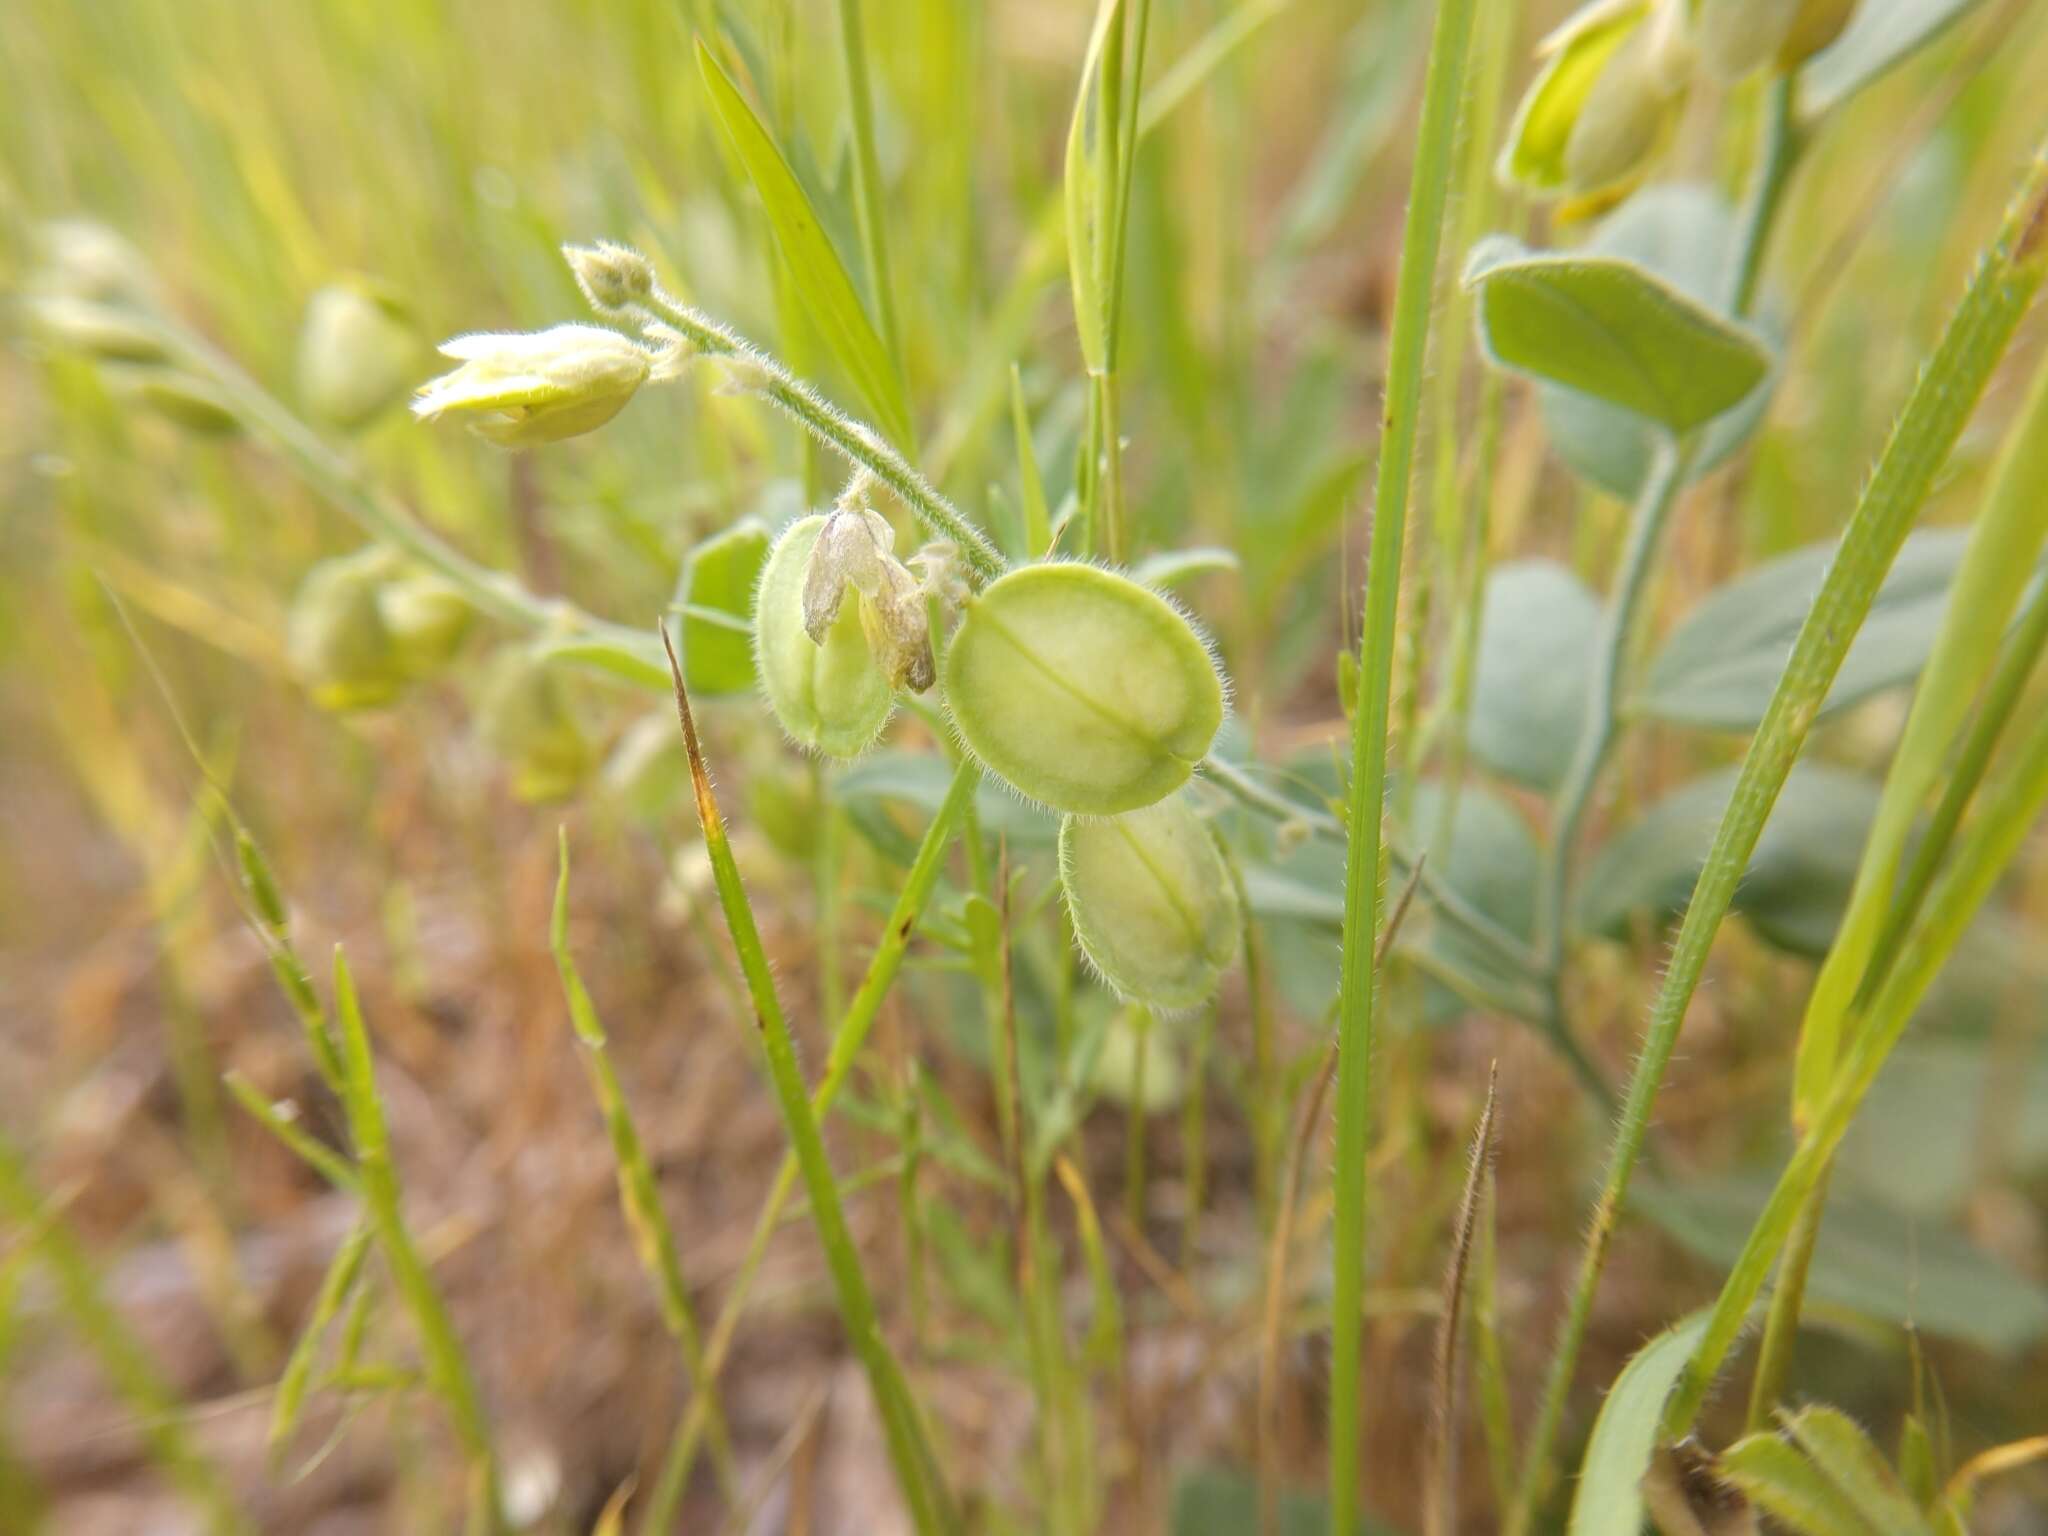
(1720, 666)
(1613, 330)
(1082, 689)
(717, 582)
(1684, 233)
(1536, 639)
(1798, 879)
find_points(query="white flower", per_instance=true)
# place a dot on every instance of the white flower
(526, 387)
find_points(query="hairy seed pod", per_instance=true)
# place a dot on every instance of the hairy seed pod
(1152, 904)
(336, 635)
(527, 715)
(356, 353)
(829, 694)
(427, 616)
(1084, 690)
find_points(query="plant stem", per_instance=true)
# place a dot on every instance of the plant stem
(447, 1367)
(858, 442)
(1781, 1328)
(1652, 512)
(847, 1041)
(1783, 142)
(1949, 386)
(1408, 344)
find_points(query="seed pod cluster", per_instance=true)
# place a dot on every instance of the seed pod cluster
(364, 627)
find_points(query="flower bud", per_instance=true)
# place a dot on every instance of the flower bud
(1606, 101)
(107, 333)
(1818, 24)
(527, 716)
(86, 260)
(829, 693)
(1153, 907)
(181, 398)
(525, 387)
(1084, 690)
(612, 277)
(427, 616)
(336, 636)
(855, 550)
(356, 354)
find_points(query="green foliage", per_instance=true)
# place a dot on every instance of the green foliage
(1609, 1501)
(1611, 329)
(1536, 638)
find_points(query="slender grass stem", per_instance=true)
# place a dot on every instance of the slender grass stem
(121, 1355)
(1999, 294)
(860, 444)
(447, 1367)
(911, 1458)
(1408, 347)
(1603, 698)
(639, 1193)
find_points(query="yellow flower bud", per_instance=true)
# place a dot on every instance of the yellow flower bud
(612, 277)
(525, 387)
(356, 354)
(1606, 100)
(828, 693)
(1153, 906)
(1084, 690)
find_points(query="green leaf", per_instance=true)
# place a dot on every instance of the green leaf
(2004, 545)
(1083, 198)
(1493, 864)
(718, 577)
(921, 780)
(1536, 639)
(1870, 1260)
(1789, 1488)
(1612, 329)
(1684, 233)
(1881, 35)
(1609, 1501)
(1798, 878)
(1718, 668)
(821, 280)
(1836, 1444)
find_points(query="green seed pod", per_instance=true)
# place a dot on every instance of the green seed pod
(336, 635)
(1081, 688)
(830, 695)
(356, 354)
(1152, 904)
(427, 616)
(527, 715)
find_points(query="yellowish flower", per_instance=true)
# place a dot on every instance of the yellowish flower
(524, 387)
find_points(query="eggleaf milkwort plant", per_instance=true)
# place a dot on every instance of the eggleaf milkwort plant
(1024, 679)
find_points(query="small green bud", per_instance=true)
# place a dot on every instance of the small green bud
(107, 333)
(612, 277)
(427, 616)
(336, 635)
(1818, 24)
(526, 387)
(1084, 690)
(829, 693)
(356, 354)
(1153, 906)
(527, 715)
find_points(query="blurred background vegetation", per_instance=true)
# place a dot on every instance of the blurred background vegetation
(439, 154)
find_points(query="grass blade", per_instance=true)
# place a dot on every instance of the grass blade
(915, 1473)
(639, 1194)
(828, 293)
(1998, 295)
(1429, 191)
